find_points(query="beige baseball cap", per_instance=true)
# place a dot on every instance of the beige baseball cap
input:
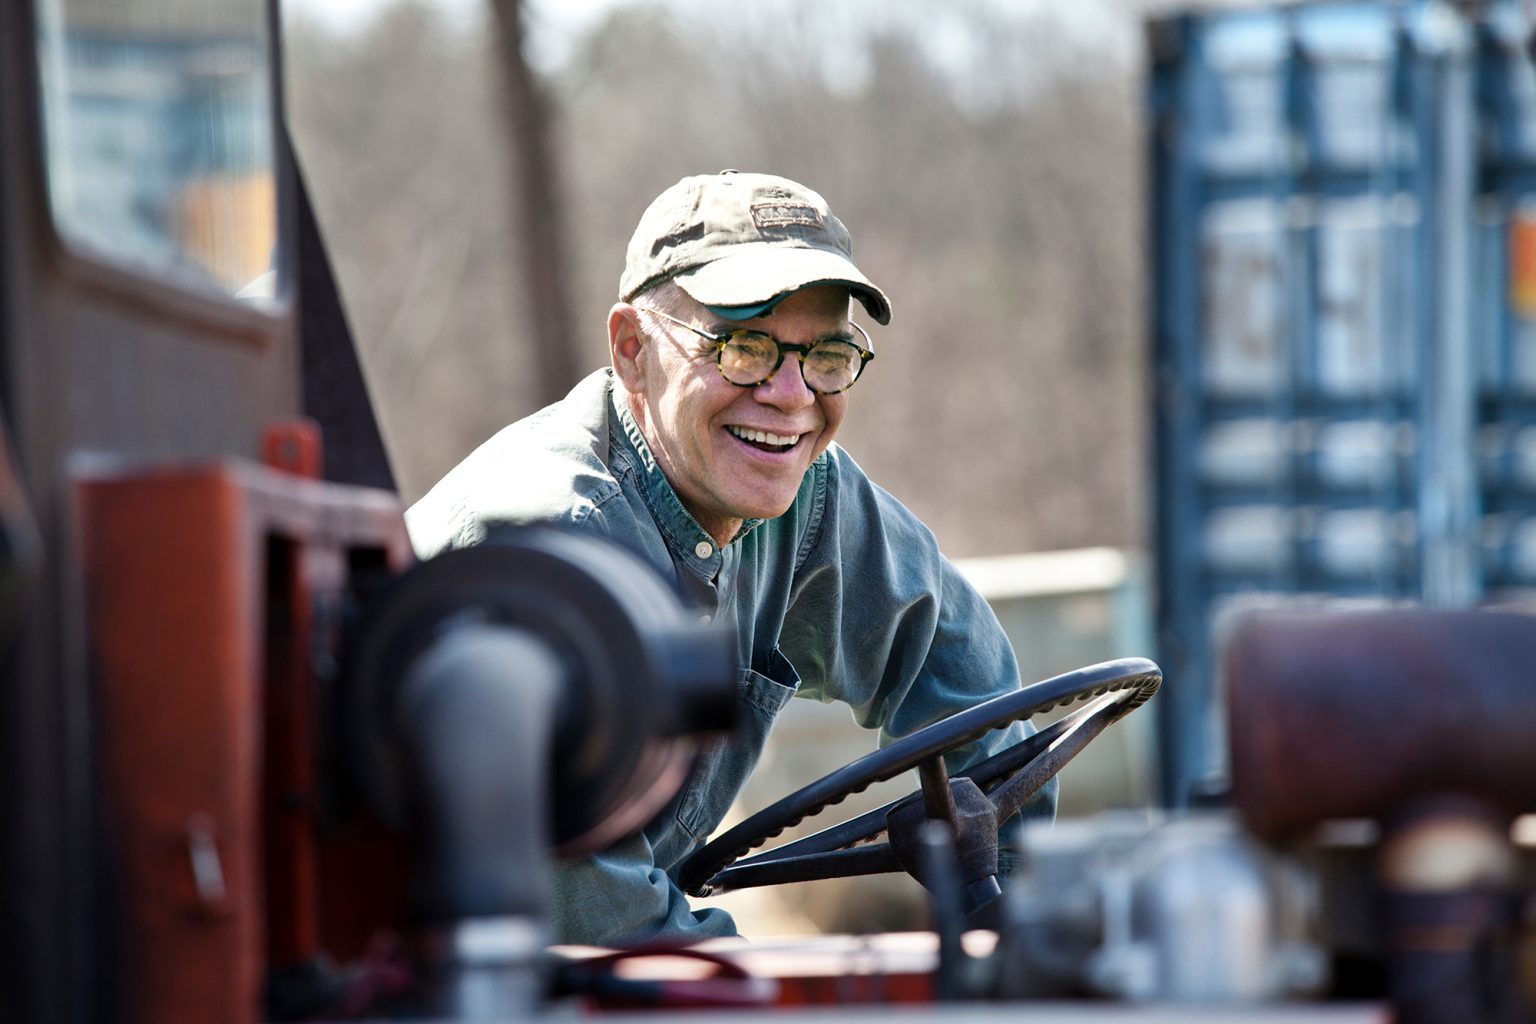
(739, 243)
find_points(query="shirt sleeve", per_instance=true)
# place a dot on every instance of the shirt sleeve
(880, 620)
(619, 896)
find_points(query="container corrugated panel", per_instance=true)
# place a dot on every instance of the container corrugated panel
(1344, 331)
(1505, 217)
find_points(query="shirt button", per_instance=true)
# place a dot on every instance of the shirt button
(704, 550)
(705, 617)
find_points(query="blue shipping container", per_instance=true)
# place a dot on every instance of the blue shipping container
(1344, 323)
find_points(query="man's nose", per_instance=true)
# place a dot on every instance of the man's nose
(786, 389)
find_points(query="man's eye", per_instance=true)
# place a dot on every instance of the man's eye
(833, 356)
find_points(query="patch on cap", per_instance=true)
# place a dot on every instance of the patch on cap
(783, 215)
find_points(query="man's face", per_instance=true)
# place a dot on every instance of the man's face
(703, 429)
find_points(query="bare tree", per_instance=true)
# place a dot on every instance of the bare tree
(540, 228)
(397, 125)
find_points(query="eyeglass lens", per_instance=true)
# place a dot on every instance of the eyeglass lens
(750, 358)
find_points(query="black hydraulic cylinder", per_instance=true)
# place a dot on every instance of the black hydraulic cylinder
(477, 711)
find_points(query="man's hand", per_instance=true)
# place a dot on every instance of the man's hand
(974, 832)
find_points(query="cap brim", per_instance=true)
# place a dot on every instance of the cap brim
(759, 277)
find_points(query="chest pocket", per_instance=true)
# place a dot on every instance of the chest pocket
(723, 767)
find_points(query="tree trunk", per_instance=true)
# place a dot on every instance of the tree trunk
(540, 245)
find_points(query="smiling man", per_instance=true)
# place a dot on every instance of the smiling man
(707, 447)
(731, 433)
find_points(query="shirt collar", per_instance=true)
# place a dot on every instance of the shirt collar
(681, 531)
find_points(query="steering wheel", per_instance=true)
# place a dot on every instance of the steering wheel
(1007, 778)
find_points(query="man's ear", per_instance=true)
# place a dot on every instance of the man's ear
(626, 346)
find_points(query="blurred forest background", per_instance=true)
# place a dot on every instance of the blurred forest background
(988, 158)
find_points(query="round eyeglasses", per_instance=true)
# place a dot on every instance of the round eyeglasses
(749, 358)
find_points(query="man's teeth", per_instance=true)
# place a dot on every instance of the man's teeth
(762, 436)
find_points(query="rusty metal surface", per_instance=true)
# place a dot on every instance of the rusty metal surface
(1359, 714)
(888, 977)
(1041, 1013)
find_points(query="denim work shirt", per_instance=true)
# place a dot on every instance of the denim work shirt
(845, 597)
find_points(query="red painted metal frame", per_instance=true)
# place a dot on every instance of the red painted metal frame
(212, 595)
